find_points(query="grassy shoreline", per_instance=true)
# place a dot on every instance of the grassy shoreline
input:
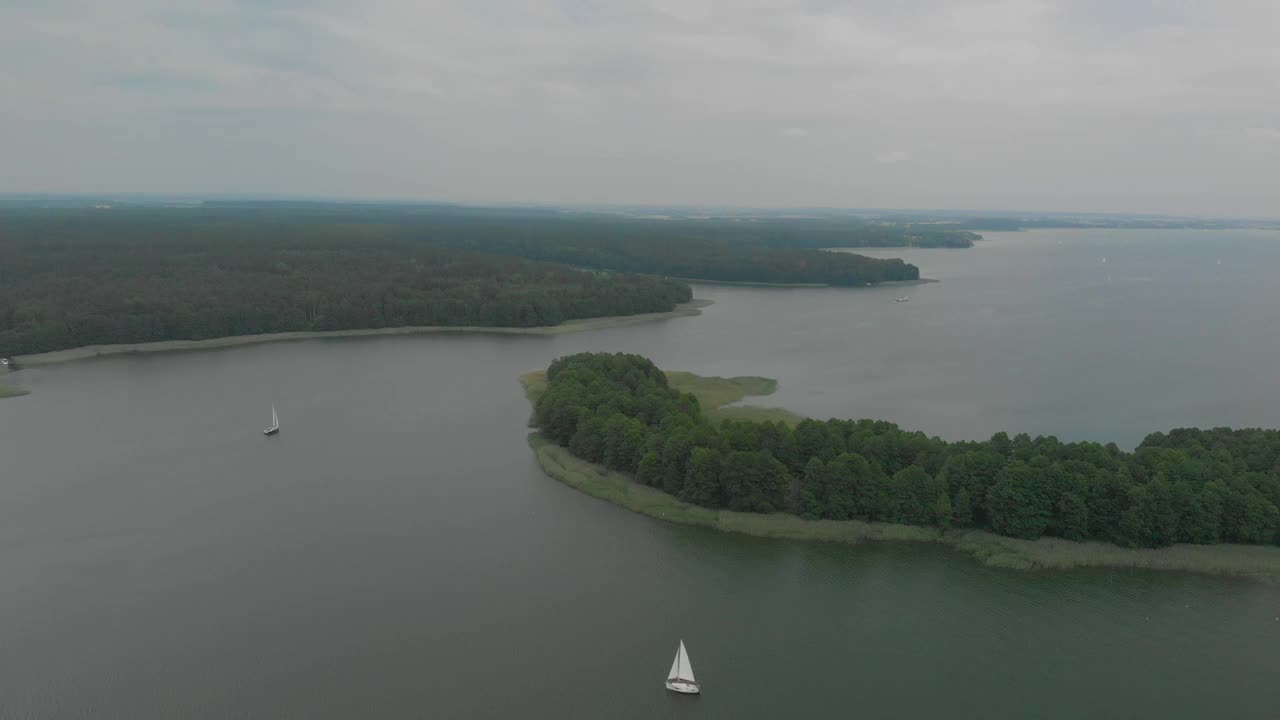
(1254, 562)
(8, 391)
(693, 307)
(716, 395)
(748, 283)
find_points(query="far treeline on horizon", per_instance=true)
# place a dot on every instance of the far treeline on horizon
(80, 270)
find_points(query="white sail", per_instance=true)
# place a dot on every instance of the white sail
(686, 668)
(275, 420)
(680, 667)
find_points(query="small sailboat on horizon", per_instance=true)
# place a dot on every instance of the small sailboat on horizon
(681, 679)
(275, 423)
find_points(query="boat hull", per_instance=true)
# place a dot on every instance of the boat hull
(271, 431)
(681, 686)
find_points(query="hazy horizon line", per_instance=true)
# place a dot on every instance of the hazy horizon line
(689, 206)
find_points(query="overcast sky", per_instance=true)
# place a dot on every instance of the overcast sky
(1107, 105)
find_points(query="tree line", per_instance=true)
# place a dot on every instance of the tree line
(1186, 486)
(763, 249)
(696, 259)
(74, 278)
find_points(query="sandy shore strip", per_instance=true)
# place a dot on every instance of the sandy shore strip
(693, 307)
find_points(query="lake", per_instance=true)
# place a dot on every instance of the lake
(396, 552)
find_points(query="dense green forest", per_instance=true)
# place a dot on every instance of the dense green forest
(688, 258)
(1193, 486)
(769, 250)
(73, 276)
(724, 249)
(69, 279)
(816, 229)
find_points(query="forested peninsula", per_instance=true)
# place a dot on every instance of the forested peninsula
(75, 280)
(1188, 488)
(75, 276)
(717, 261)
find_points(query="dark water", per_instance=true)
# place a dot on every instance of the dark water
(395, 551)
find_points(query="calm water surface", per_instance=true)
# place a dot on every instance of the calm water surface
(395, 551)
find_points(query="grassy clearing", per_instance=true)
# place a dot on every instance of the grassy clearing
(713, 394)
(1246, 561)
(535, 384)
(716, 394)
(7, 391)
(693, 307)
(756, 414)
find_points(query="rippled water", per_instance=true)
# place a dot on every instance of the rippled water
(395, 552)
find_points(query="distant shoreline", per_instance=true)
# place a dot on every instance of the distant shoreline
(693, 307)
(1253, 562)
(747, 283)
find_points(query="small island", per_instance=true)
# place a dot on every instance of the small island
(672, 446)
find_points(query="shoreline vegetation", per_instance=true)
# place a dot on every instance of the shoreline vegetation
(8, 391)
(74, 280)
(77, 277)
(743, 283)
(1254, 562)
(687, 309)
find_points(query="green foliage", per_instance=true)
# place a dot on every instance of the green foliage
(1073, 516)
(1186, 486)
(74, 278)
(855, 490)
(913, 494)
(702, 479)
(962, 509)
(1017, 504)
(812, 495)
(942, 511)
(708, 252)
(649, 471)
(755, 482)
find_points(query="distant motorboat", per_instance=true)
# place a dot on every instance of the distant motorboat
(904, 298)
(275, 423)
(681, 679)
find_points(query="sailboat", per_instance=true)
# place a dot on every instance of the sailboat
(680, 679)
(275, 423)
